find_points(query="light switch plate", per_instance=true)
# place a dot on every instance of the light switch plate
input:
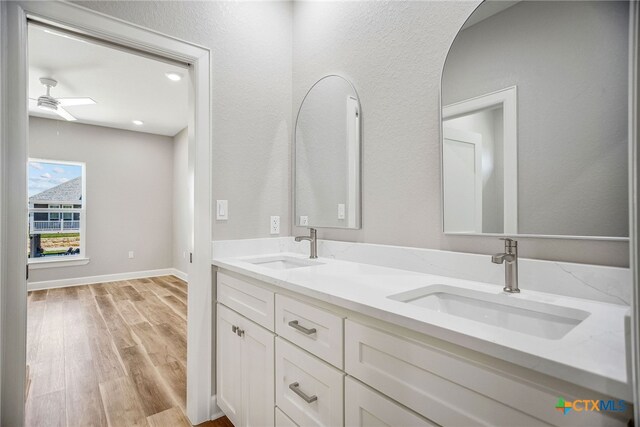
(222, 209)
(341, 210)
(304, 220)
(130, 254)
(275, 225)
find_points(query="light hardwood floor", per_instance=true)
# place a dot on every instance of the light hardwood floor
(111, 354)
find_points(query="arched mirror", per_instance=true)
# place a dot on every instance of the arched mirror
(327, 156)
(534, 120)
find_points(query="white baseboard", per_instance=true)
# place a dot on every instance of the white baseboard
(215, 411)
(64, 283)
(180, 274)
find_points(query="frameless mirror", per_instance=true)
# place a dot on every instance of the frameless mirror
(534, 120)
(327, 156)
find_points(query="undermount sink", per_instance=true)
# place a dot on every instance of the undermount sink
(282, 262)
(504, 311)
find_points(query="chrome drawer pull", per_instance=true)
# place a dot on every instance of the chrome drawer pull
(234, 329)
(309, 399)
(294, 324)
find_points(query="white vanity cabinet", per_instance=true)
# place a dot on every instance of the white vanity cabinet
(302, 362)
(245, 370)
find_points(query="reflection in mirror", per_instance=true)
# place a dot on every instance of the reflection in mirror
(327, 156)
(479, 164)
(534, 97)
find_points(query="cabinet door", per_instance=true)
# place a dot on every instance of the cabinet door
(228, 365)
(258, 375)
(364, 407)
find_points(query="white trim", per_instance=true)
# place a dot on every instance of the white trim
(180, 274)
(55, 262)
(216, 412)
(90, 280)
(634, 215)
(14, 151)
(508, 99)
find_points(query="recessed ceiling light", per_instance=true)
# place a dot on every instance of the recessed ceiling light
(174, 77)
(138, 122)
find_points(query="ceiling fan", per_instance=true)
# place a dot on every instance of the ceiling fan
(49, 103)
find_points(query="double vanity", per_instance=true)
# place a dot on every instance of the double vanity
(330, 342)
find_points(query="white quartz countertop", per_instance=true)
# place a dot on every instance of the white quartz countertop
(591, 355)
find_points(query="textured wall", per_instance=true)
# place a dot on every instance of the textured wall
(394, 53)
(569, 61)
(129, 203)
(181, 221)
(250, 44)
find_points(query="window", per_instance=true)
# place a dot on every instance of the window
(54, 216)
(57, 209)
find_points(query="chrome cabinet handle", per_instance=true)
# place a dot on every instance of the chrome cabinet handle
(240, 332)
(295, 325)
(234, 329)
(295, 388)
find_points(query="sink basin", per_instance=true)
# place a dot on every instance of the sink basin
(283, 262)
(504, 311)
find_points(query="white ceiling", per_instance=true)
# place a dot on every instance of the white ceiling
(125, 86)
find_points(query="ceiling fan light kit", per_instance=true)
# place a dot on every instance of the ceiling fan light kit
(49, 103)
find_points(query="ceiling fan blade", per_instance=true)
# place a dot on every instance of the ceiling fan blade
(65, 114)
(66, 102)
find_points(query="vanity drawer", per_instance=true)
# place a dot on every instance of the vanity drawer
(453, 390)
(308, 390)
(251, 301)
(365, 407)
(282, 420)
(316, 330)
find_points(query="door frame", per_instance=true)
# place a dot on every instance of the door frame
(506, 98)
(13, 190)
(633, 350)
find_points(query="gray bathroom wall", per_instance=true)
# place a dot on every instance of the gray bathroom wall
(250, 46)
(569, 61)
(394, 53)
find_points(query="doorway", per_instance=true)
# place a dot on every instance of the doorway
(68, 17)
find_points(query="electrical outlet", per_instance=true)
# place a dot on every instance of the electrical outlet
(130, 254)
(304, 220)
(275, 225)
(341, 210)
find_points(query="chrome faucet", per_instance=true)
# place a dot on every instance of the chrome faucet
(313, 242)
(510, 258)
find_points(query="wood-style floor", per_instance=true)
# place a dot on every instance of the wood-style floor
(111, 354)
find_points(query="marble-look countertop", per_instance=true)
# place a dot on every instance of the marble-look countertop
(591, 355)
